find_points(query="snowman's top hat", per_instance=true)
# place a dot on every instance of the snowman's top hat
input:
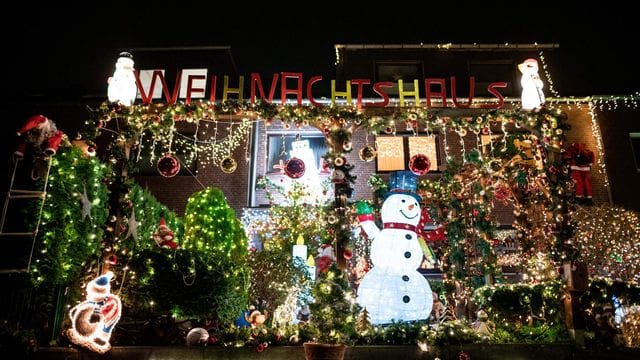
(403, 182)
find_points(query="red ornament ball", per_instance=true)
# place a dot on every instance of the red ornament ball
(347, 254)
(168, 165)
(419, 164)
(294, 168)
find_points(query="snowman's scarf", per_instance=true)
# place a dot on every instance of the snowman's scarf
(402, 226)
(426, 236)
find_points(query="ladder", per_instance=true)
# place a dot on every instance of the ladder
(14, 194)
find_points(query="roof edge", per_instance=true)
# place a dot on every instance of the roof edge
(450, 46)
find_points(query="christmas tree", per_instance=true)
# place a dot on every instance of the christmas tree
(333, 311)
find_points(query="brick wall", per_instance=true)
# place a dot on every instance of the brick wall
(580, 132)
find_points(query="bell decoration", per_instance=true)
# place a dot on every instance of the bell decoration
(168, 165)
(294, 168)
(367, 153)
(228, 165)
(419, 164)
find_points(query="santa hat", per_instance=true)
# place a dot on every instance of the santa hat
(100, 287)
(162, 226)
(528, 63)
(32, 123)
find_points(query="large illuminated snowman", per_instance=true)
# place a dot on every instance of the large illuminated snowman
(393, 290)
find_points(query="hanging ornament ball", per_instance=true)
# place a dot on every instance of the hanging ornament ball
(294, 168)
(462, 132)
(112, 260)
(347, 145)
(113, 218)
(339, 161)
(367, 153)
(228, 165)
(168, 165)
(419, 164)
(347, 254)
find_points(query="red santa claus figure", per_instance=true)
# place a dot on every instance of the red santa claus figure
(41, 133)
(325, 258)
(580, 160)
(164, 237)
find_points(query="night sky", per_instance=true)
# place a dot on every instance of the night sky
(55, 50)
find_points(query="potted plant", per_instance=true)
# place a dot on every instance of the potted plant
(332, 323)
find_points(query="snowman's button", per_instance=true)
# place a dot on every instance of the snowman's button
(405, 278)
(406, 299)
(407, 254)
(408, 237)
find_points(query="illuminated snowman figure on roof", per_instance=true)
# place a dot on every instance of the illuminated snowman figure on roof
(393, 290)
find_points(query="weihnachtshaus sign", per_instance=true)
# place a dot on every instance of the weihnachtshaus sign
(196, 84)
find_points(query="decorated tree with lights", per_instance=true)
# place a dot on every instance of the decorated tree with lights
(74, 211)
(297, 216)
(206, 277)
(69, 241)
(272, 278)
(333, 309)
(299, 221)
(607, 240)
(461, 201)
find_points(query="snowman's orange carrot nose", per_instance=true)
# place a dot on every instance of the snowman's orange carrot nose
(411, 207)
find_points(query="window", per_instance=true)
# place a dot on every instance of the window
(310, 148)
(635, 147)
(407, 71)
(487, 72)
(395, 152)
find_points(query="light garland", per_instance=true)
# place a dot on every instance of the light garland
(597, 134)
(547, 74)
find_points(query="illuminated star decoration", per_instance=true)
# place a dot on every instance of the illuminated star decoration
(86, 204)
(133, 226)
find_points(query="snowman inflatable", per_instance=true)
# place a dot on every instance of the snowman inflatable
(532, 94)
(122, 87)
(393, 290)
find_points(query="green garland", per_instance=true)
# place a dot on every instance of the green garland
(68, 244)
(522, 303)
